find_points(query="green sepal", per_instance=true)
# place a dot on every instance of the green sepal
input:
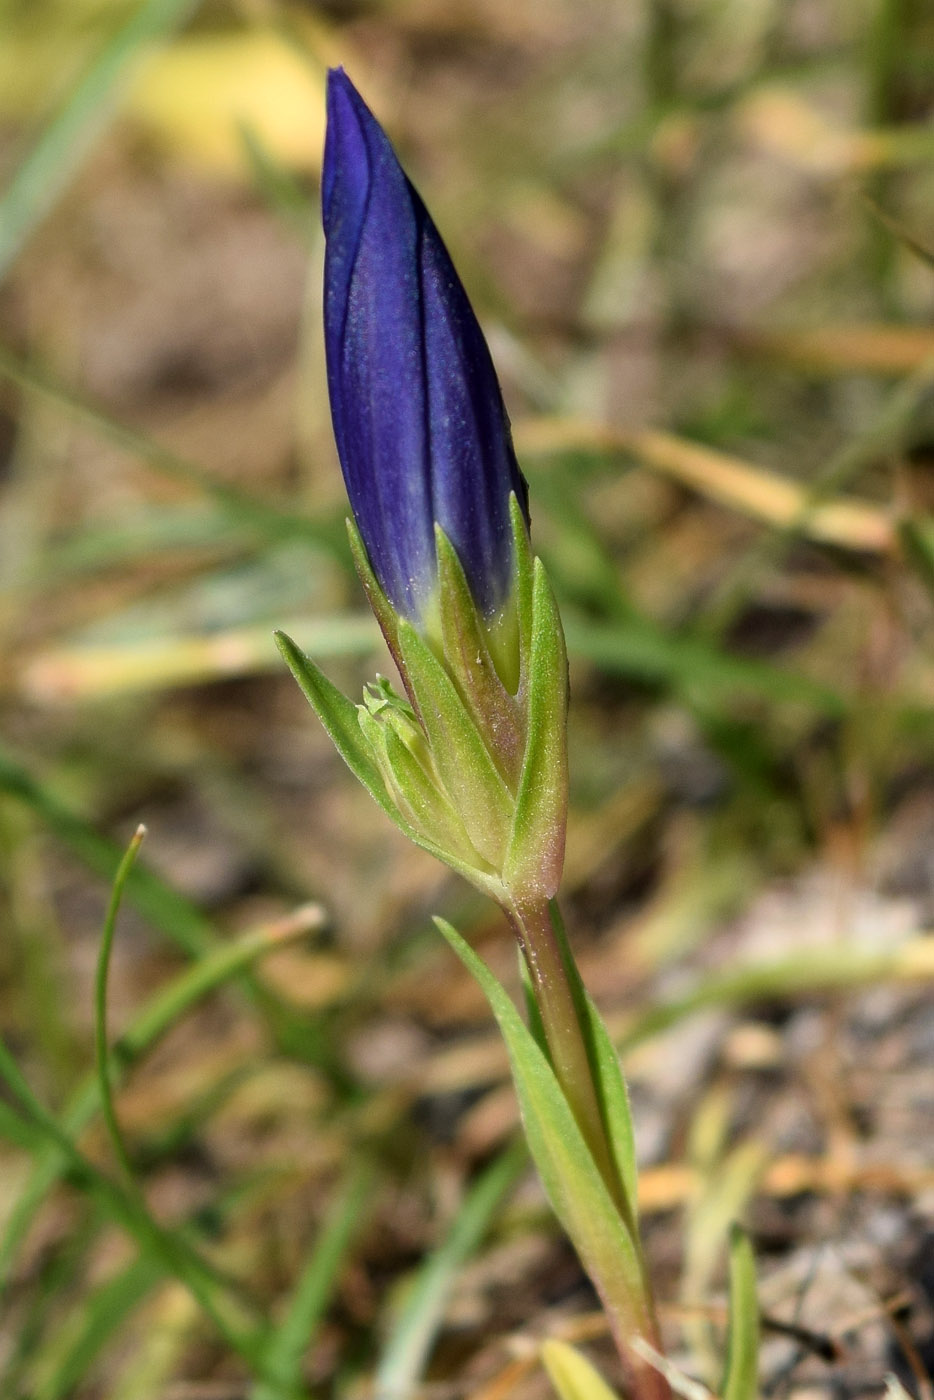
(468, 773)
(741, 1375)
(415, 789)
(572, 1180)
(339, 717)
(380, 605)
(572, 1375)
(536, 849)
(466, 644)
(522, 583)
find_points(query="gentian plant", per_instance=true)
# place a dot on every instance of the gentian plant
(470, 761)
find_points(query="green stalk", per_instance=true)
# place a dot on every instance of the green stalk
(567, 1046)
(559, 995)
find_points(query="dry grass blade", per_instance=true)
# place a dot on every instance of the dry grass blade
(761, 494)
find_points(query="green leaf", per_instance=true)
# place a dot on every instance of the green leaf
(696, 668)
(577, 1192)
(741, 1378)
(129, 1210)
(536, 849)
(339, 717)
(614, 1104)
(612, 1094)
(572, 1375)
(466, 768)
(105, 1086)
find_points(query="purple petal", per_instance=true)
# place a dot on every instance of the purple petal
(421, 429)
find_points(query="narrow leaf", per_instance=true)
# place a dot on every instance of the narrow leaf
(291, 1340)
(612, 1093)
(403, 1363)
(166, 1007)
(339, 717)
(105, 1087)
(576, 1189)
(157, 901)
(740, 1381)
(57, 155)
(103, 1313)
(572, 1375)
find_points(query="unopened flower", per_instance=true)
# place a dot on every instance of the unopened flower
(472, 764)
(421, 429)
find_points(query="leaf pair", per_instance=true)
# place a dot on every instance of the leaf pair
(605, 1239)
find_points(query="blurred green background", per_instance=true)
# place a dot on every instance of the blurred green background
(700, 236)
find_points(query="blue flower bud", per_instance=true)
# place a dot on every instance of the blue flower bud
(421, 428)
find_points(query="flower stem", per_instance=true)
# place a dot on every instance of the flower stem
(568, 1043)
(554, 997)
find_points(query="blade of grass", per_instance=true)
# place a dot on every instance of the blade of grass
(162, 1011)
(167, 910)
(101, 1316)
(740, 485)
(401, 1367)
(296, 1333)
(860, 348)
(79, 672)
(692, 664)
(176, 1260)
(572, 1375)
(741, 1380)
(162, 1244)
(826, 970)
(60, 1274)
(246, 510)
(153, 530)
(59, 151)
(102, 1053)
(888, 433)
(18, 1130)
